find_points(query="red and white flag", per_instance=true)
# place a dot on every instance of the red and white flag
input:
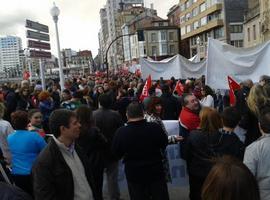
(233, 85)
(146, 87)
(26, 75)
(179, 88)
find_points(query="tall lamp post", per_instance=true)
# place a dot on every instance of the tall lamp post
(55, 13)
(198, 42)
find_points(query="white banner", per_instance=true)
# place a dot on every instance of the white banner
(178, 67)
(242, 63)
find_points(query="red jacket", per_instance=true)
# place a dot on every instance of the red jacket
(189, 119)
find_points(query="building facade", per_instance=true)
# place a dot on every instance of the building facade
(10, 47)
(219, 19)
(252, 25)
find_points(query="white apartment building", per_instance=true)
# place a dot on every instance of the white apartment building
(9, 52)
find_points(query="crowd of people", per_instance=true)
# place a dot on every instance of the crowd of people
(59, 143)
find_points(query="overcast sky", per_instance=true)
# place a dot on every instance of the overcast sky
(78, 24)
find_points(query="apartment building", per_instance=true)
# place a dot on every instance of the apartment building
(219, 19)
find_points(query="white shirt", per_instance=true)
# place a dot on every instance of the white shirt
(207, 101)
(5, 130)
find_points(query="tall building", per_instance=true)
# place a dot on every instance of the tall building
(252, 24)
(219, 19)
(113, 8)
(9, 53)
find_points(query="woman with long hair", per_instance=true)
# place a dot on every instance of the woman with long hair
(207, 99)
(92, 143)
(35, 122)
(200, 149)
(24, 101)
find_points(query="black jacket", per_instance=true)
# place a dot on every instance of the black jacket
(108, 121)
(10, 192)
(201, 147)
(52, 177)
(141, 145)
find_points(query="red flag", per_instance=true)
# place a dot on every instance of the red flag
(233, 85)
(26, 75)
(179, 88)
(146, 87)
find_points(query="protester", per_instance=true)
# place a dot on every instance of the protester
(5, 130)
(207, 99)
(25, 146)
(24, 101)
(108, 121)
(170, 104)
(139, 144)
(35, 117)
(230, 179)
(257, 156)
(61, 170)
(189, 115)
(93, 143)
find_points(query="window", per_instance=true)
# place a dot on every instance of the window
(183, 30)
(254, 32)
(219, 33)
(236, 28)
(195, 11)
(163, 35)
(196, 25)
(172, 49)
(154, 50)
(188, 28)
(203, 21)
(164, 49)
(202, 7)
(171, 36)
(183, 7)
(248, 32)
(188, 16)
(237, 43)
(153, 37)
(182, 19)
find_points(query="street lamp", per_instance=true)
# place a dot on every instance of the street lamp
(55, 13)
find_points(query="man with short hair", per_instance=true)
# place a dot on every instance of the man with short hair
(189, 115)
(140, 144)
(61, 170)
(108, 121)
(257, 157)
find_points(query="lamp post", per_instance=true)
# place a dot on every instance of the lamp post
(198, 42)
(55, 13)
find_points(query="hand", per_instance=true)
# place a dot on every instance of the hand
(179, 138)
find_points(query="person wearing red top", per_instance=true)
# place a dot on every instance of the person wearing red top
(189, 115)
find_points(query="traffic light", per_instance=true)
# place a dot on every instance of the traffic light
(140, 35)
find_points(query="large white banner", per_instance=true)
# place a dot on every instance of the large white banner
(177, 66)
(242, 63)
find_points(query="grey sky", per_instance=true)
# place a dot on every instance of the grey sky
(78, 21)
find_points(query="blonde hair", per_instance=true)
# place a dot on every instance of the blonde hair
(257, 99)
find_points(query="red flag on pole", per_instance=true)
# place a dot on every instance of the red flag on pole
(233, 85)
(179, 88)
(146, 87)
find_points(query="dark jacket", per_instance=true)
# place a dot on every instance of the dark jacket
(108, 121)
(171, 107)
(141, 145)
(201, 147)
(10, 103)
(23, 104)
(10, 192)
(52, 177)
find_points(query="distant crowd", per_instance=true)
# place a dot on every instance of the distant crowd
(59, 143)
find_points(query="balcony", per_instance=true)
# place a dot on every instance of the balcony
(210, 25)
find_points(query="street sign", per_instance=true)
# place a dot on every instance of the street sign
(38, 45)
(37, 35)
(40, 54)
(36, 26)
